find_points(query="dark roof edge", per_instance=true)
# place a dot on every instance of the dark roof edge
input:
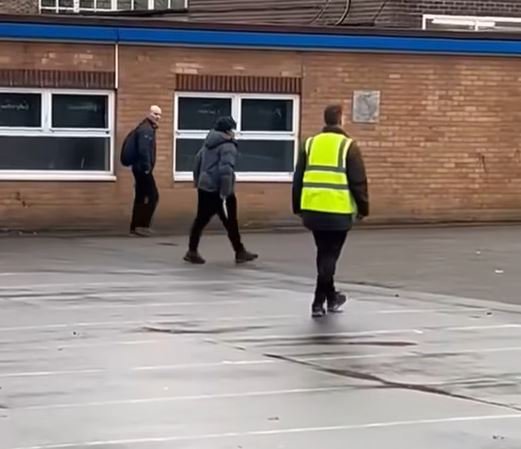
(313, 30)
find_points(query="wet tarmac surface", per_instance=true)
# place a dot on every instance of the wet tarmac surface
(117, 344)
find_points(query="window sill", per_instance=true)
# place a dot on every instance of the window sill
(244, 177)
(55, 176)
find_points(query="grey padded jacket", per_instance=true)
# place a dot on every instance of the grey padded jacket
(214, 168)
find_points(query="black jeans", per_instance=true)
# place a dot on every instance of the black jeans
(145, 200)
(208, 205)
(329, 247)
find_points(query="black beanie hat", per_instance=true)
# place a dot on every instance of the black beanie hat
(225, 124)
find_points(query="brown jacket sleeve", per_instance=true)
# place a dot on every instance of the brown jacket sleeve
(357, 179)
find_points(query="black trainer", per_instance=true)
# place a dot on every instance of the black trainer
(244, 256)
(317, 311)
(141, 232)
(335, 305)
(194, 257)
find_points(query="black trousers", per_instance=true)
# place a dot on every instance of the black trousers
(208, 205)
(329, 247)
(145, 200)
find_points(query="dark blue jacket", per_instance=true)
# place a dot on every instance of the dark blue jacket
(145, 151)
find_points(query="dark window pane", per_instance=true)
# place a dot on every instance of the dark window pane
(201, 113)
(86, 4)
(266, 155)
(141, 4)
(125, 4)
(267, 115)
(161, 4)
(104, 4)
(21, 110)
(79, 111)
(54, 153)
(185, 151)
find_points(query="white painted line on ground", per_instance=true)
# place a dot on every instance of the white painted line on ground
(179, 366)
(323, 335)
(135, 272)
(31, 288)
(479, 328)
(147, 323)
(373, 332)
(90, 345)
(95, 294)
(200, 397)
(166, 305)
(143, 305)
(173, 305)
(247, 394)
(446, 310)
(206, 365)
(412, 354)
(263, 361)
(483, 380)
(53, 373)
(66, 326)
(153, 341)
(287, 431)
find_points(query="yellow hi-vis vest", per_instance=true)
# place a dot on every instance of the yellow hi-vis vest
(325, 186)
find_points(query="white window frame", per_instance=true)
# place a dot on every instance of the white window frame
(47, 130)
(56, 8)
(236, 100)
(477, 22)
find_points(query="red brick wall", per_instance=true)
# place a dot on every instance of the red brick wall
(18, 6)
(448, 143)
(139, 88)
(447, 146)
(409, 12)
(394, 13)
(36, 205)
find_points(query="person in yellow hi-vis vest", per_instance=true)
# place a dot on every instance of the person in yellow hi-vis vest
(329, 193)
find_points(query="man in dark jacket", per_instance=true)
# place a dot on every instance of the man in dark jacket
(330, 228)
(146, 193)
(214, 177)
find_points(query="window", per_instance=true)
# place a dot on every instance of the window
(20, 110)
(76, 6)
(267, 129)
(471, 23)
(55, 134)
(80, 111)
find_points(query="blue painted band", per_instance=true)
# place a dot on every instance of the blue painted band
(266, 40)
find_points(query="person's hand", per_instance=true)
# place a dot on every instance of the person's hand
(359, 217)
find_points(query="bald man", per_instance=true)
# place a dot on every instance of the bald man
(146, 193)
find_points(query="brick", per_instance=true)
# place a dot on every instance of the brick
(438, 152)
(397, 13)
(408, 13)
(18, 6)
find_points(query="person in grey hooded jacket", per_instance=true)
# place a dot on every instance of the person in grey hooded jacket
(214, 178)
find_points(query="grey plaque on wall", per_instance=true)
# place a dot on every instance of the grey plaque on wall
(366, 106)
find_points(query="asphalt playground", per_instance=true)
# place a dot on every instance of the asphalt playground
(116, 343)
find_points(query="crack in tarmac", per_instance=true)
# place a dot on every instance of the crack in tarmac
(390, 384)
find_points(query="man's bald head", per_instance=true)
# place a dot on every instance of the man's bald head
(154, 114)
